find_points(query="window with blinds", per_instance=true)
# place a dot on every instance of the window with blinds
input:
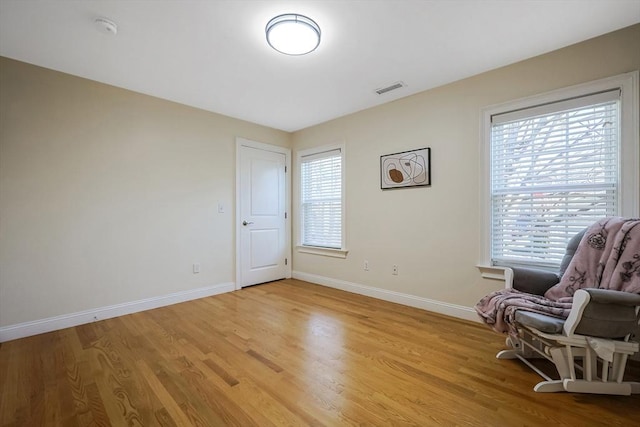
(554, 171)
(321, 199)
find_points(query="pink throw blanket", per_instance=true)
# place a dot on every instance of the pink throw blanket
(498, 309)
(608, 257)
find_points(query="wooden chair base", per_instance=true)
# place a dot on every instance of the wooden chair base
(563, 351)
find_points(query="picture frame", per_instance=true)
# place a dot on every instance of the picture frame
(406, 169)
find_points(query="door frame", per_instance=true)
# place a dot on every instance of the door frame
(243, 142)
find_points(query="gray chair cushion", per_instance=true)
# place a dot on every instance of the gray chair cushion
(547, 324)
(572, 247)
(533, 281)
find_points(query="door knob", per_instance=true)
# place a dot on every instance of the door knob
(245, 223)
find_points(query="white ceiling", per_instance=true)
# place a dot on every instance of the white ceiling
(213, 54)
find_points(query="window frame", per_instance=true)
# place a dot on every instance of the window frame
(629, 152)
(316, 250)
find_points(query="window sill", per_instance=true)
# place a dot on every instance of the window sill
(335, 253)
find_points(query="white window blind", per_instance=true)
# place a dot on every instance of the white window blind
(554, 171)
(321, 199)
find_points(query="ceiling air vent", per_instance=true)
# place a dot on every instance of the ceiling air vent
(396, 85)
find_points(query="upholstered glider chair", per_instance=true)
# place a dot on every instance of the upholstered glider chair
(589, 348)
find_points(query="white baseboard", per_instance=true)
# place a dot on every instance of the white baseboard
(453, 310)
(55, 323)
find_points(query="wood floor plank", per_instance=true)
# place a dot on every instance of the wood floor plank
(171, 409)
(286, 353)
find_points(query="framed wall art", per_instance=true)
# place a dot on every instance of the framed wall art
(406, 169)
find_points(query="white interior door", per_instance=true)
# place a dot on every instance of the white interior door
(263, 233)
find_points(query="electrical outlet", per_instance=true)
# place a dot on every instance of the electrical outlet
(395, 270)
(366, 265)
(196, 268)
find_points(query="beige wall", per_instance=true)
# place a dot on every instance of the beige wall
(433, 233)
(108, 196)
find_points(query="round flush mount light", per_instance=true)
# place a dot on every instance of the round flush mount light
(106, 26)
(293, 34)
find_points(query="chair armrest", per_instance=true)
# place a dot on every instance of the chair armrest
(533, 281)
(610, 296)
(603, 313)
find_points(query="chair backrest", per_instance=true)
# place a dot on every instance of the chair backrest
(572, 247)
(603, 313)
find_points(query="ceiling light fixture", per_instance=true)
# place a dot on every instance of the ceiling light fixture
(293, 34)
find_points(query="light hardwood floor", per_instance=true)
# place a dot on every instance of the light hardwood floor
(283, 353)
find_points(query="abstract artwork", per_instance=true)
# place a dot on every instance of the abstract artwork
(406, 169)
